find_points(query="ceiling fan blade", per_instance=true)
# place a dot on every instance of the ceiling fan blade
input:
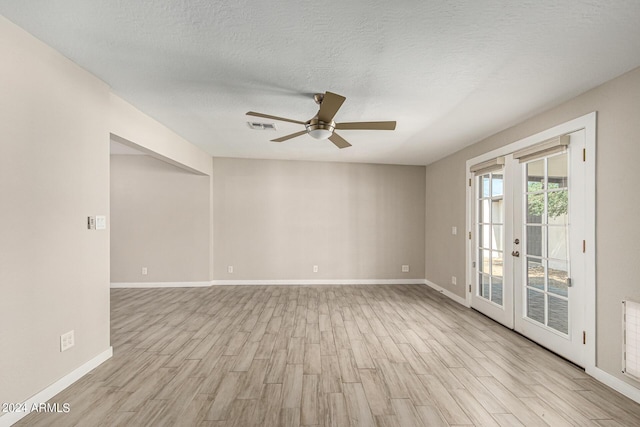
(329, 106)
(268, 116)
(339, 141)
(286, 137)
(367, 125)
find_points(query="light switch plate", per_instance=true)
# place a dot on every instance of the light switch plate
(101, 222)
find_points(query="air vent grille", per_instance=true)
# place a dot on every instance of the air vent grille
(261, 126)
(631, 339)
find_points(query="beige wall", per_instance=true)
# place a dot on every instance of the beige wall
(56, 125)
(274, 220)
(159, 220)
(617, 231)
(54, 172)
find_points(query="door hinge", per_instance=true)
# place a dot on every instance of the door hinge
(469, 235)
(469, 288)
(569, 282)
(469, 182)
(473, 264)
(584, 337)
(584, 246)
(584, 154)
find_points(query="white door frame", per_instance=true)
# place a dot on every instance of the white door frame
(588, 123)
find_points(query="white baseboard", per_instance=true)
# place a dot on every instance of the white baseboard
(285, 282)
(319, 282)
(160, 284)
(239, 282)
(617, 384)
(456, 298)
(55, 388)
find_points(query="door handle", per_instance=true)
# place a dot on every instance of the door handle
(515, 254)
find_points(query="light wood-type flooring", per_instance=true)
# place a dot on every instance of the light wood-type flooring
(397, 355)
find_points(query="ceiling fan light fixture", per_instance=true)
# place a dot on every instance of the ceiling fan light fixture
(318, 129)
(320, 133)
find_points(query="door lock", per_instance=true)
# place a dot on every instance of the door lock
(517, 241)
(515, 254)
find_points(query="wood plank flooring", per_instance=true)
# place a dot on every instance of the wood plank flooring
(397, 355)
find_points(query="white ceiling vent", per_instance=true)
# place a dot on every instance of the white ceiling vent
(262, 126)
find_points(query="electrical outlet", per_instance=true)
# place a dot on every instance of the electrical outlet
(66, 341)
(144, 271)
(405, 268)
(454, 281)
(315, 268)
(230, 269)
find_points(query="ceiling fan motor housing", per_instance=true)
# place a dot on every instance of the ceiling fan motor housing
(319, 129)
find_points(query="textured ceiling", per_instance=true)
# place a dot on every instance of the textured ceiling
(449, 72)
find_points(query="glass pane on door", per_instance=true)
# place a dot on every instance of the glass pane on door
(490, 237)
(535, 175)
(558, 309)
(496, 289)
(547, 252)
(558, 276)
(535, 274)
(535, 305)
(483, 288)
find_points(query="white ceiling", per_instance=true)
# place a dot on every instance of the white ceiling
(449, 72)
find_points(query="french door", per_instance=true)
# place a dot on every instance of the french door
(527, 261)
(492, 282)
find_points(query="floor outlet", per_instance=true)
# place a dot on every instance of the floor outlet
(67, 341)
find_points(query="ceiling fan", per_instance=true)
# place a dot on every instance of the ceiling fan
(322, 125)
